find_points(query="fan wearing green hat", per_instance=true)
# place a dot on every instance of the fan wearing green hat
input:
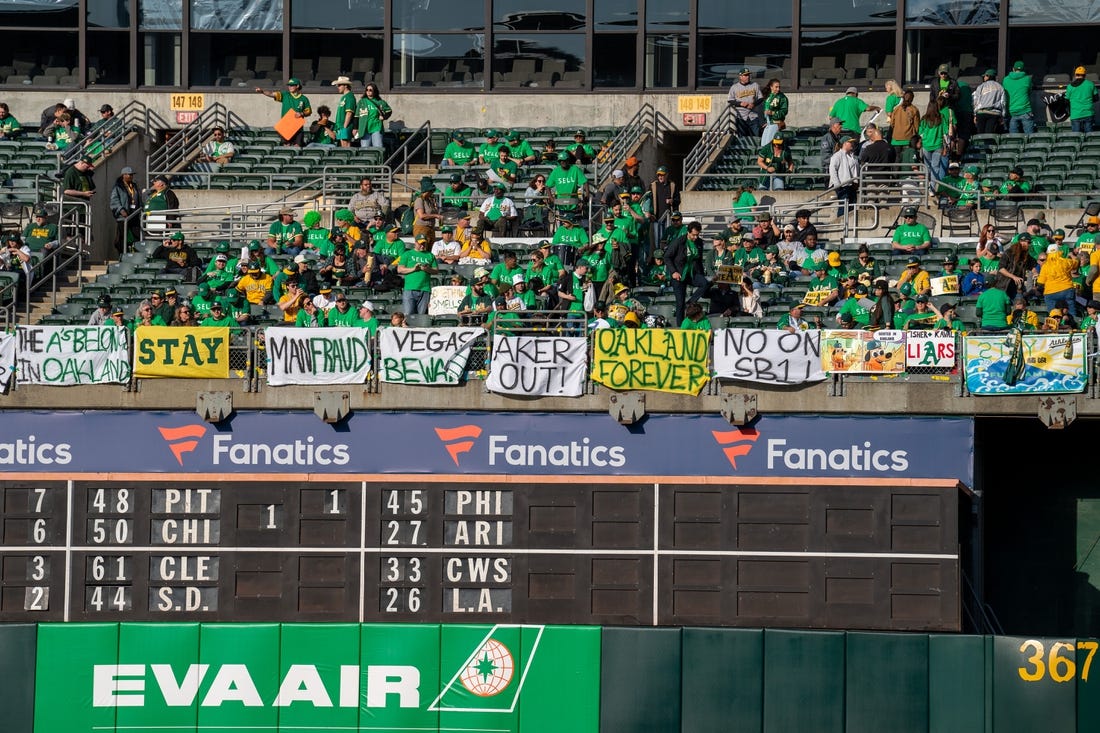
(580, 149)
(969, 188)
(40, 234)
(775, 160)
(1017, 86)
(989, 103)
(910, 235)
(522, 152)
(202, 300)
(293, 102)
(459, 153)
(457, 194)
(569, 184)
(488, 151)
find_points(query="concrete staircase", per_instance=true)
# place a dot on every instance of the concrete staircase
(401, 195)
(43, 300)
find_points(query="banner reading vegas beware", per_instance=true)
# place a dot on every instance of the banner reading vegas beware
(173, 351)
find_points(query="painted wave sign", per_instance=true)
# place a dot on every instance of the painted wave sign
(273, 677)
(1014, 363)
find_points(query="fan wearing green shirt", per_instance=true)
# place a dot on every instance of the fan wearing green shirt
(344, 119)
(489, 151)
(695, 319)
(568, 238)
(923, 317)
(948, 318)
(417, 265)
(504, 167)
(9, 126)
(569, 183)
(292, 100)
(217, 317)
(457, 195)
(581, 151)
(458, 153)
(284, 236)
(849, 108)
(522, 152)
(911, 236)
(992, 309)
(853, 311)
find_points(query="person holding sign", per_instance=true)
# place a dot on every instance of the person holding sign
(947, 318)
(296, 108)
(923, 317)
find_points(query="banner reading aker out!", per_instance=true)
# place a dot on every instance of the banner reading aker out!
(167, 351)
(103, 678)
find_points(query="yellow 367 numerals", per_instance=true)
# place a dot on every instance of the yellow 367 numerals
(1061, 668)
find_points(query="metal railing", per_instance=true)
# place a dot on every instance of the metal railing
(417, 143)
(134, 117)
(186, 144)
(709, 148)
(894, 184)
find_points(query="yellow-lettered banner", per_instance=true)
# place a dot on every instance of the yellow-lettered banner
(656, 359)
(173, 351)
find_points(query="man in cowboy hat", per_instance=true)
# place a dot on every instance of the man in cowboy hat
(345, 111)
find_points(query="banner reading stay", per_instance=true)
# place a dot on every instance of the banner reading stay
(317, 356)
(175, 351)
(425, 355)
(544, 366)
(70, 355)
(757, 355)
(655, 359)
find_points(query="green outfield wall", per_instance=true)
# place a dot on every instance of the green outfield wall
(217, 678)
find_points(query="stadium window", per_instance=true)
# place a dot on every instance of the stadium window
(438, 60)
(215, 59)
(38, 58)
(538, 61)
(1053, 51)
(242, 15)
(972, 50)
(723, 15)
(160, 15)
(345, 15)
(939, 13)
(613, 60)
(845, 57)
(615, 15)
(108, 14)
(768, 55)
(421, 15)
(669, 16)
(666, 60)
(538, 15)
(856, 13)
(108, 58)
(40, 14)
(161, 57)
(325, 56)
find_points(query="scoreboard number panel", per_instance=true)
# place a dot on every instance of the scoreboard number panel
(586, 551)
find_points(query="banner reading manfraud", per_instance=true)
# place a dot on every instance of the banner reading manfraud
(1015, 363)
(863, 352)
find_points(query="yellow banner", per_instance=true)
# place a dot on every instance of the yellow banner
(195, 353)
(654, 359)
(693, 103)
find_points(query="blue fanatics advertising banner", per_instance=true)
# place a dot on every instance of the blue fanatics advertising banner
(488, 443)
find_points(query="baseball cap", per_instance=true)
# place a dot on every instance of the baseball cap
(835, 121)
(1034, 223)
(293, 82)
(177, 236)
(126, 170)
(991, 73)
(971, 169)
(286, 211)
(221, 258)
(777, 139)
(481, 273)
(617, 173)
(662, 169)
(367, 304)
(1052, 248)
(952, 164)
(744, 70)
(104, 301)
(943, 69)
(421, 238)
(912, 261)
(1059, 234)
(851, 90)
(1093, 220)
(631, 161)
(1094, 304)
(106, 108)
(1018, 66)
(300, 258)
(1024, 237)
(254, 246)
(1079, 71)
(909, 211)
(921, 298)
(636, 189)
(834, 259)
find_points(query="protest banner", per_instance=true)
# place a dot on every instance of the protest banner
(945, 285)
(1015, 363)
(192, 353)
(542, 366)
(863, 352)
(317, 356)
(445, 299)
(7, 358)
(778, 357)
(425, 355)
(930, 349)
(655, 359)
(71, 355)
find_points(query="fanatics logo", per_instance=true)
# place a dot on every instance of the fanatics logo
(735, 440)
(183, 439)
(458, 440)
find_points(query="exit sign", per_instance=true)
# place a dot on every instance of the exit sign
(186, 118)
(695, 119)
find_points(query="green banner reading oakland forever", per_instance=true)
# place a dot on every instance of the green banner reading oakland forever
(216, 678)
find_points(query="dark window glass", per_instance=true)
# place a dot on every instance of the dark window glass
(160, 15)
(722, 14)
(767, 54)
(843, 58)
(326, 56)
(229, 58)
(160, 59)
(40, 14)
(613, 60)
(347, 14)
(857, 12)
(237, 15)
(925, 51)
(417, 15)
(1052, 52)
(1063, 11)
(538, 15)
(615, 14)
(941, 12)
(41, 58)
(539, 61)
(666, 60)
(108, 57)
(666, 15)
(438, 60)
(109, 13)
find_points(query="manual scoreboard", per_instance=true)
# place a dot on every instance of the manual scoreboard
(485, 549)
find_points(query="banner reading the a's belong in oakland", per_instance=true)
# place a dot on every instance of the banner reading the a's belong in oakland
(317, 355)
(71, 355)
(176, 351)
(1014, 363)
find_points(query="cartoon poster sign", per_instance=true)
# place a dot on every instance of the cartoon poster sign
(863, 352)
(1015, 363)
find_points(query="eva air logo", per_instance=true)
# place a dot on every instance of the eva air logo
(737, 443)
(458, 440)
(183, 439)
(491, 678)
